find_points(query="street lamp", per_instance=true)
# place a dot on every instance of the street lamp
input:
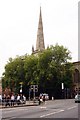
(62, 85)
(21, 87)
(29, 93)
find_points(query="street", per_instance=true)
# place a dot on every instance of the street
(66, 108)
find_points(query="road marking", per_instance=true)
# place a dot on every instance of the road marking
(72, 107)
(14, 110)
(51, 113)
(42, 107)
(9, 118)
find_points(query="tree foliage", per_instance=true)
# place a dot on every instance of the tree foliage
(48, 70)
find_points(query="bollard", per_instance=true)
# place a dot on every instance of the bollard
(52, 98)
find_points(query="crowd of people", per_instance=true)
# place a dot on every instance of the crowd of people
(12, 99)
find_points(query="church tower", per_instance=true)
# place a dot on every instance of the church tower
(40, 37)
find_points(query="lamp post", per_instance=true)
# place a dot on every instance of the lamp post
(62, 84)
(29, 93)
(21, 87)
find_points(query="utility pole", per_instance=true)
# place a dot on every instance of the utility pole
(34, 92)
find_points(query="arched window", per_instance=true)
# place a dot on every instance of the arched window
(76, 76)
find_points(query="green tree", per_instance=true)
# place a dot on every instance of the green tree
(47, 69)
(30, 68)
(14, 73)
(51, 65)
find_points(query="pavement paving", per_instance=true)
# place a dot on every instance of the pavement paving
(28, 103)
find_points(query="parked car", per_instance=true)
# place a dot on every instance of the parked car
(77, 98)
(46, 96)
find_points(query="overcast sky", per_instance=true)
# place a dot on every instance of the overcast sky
(19, 24)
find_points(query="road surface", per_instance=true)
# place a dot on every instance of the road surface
(51, 109)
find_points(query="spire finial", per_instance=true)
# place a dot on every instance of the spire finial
(40, 11)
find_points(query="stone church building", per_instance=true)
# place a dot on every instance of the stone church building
(76, 77)
(40, 46)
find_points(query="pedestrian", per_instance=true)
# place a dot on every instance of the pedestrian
(15, 99)
(24, 99)
(0, 99)
(12, 100)
(39, 100)
(21, 99)
(7, 100)
(18, 99)
(3, 99)
(44, 98)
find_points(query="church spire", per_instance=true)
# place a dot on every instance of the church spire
(40, 37)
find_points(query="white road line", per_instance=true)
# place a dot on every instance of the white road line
(51, 113)
(71, 107)
(43, 107)
(13, 110)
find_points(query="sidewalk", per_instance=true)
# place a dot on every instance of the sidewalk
(28, 103)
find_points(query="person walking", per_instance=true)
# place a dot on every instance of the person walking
(24, 99)
(18, 99)
(12, 100)
(44, 99)
(3, 99)
(40, 100)
(7, 100)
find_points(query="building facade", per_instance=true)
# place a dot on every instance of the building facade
(0, 87)
(76, 77)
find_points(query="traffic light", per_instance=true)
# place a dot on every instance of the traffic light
(36, 88)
